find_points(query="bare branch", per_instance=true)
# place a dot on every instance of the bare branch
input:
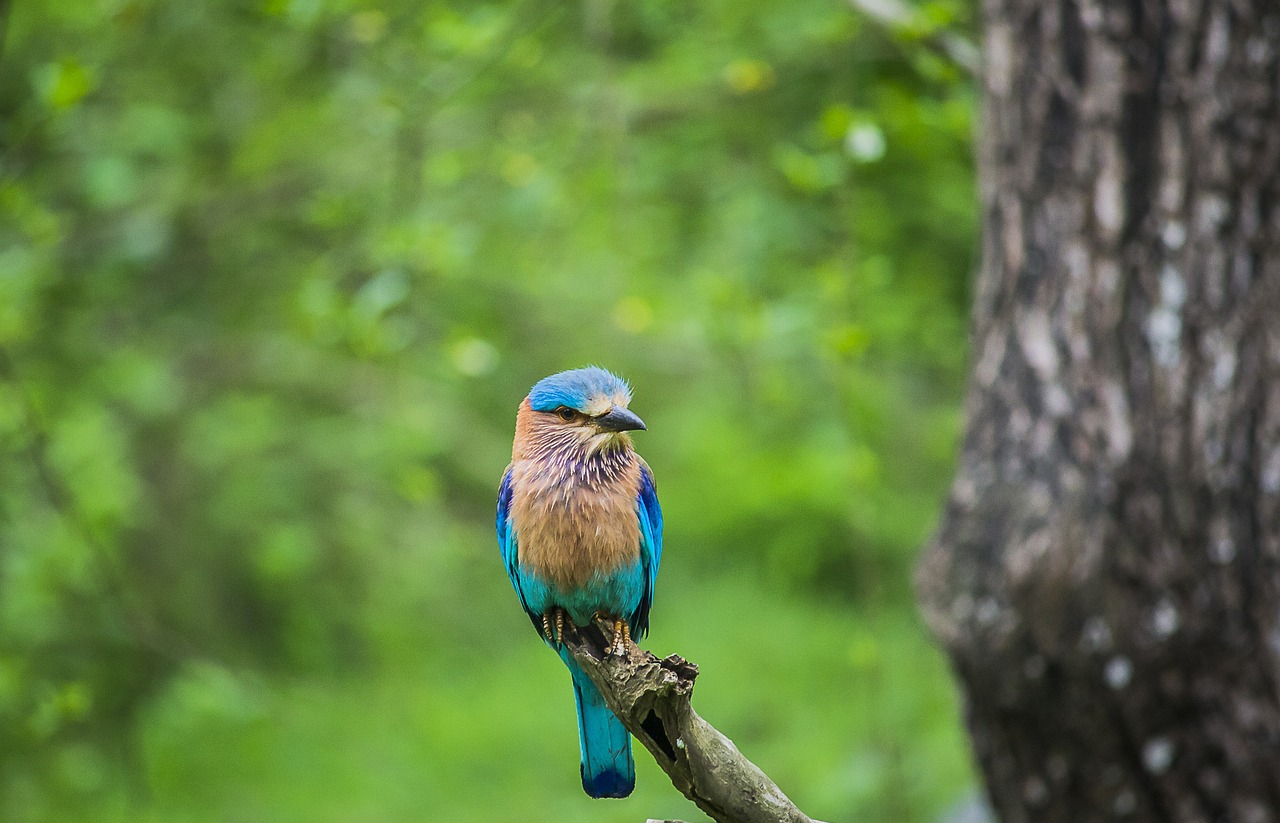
(651, 697)
(896, 15)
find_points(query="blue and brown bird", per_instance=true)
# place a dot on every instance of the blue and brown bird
(581, 535)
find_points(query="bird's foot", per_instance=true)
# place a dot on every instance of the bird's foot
(621, 638)
(553, 625)
(618, 632)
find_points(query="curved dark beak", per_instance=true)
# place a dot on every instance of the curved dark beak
(619, 420)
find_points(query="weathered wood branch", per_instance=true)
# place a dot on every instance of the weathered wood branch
(651, 697)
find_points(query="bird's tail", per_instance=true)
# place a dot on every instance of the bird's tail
(607, 767)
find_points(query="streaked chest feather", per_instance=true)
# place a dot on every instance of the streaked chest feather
(575, 520)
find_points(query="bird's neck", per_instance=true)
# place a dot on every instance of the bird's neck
(565, 462)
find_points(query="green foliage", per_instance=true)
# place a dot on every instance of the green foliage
(273, 277)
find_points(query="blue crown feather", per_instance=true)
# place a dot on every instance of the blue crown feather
(575, 388)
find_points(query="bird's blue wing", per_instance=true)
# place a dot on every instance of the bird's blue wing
(507, 543)
(650, 514)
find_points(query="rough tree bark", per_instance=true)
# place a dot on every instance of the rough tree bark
(1106, 578)
(651, 698)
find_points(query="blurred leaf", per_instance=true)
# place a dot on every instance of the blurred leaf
(64, 83)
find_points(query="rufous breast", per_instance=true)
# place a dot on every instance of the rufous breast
(574, 524)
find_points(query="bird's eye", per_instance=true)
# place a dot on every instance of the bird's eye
(566, 414)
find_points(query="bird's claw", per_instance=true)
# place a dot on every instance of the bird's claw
(553, 625)
(618, 632)
(621, 638)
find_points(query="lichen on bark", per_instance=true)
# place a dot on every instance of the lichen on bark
(1106, 576)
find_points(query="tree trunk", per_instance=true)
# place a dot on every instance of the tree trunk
(1106, 577)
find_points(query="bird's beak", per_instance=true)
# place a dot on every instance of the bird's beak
(619, 419)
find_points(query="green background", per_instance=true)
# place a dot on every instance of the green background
(274, 277)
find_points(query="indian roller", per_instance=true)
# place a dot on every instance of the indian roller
(581, 536)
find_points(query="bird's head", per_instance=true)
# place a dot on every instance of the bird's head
(587, 406)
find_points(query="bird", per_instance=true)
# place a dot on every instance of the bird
(580, 531)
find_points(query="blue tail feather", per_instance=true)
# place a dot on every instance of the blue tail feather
(607, 767)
